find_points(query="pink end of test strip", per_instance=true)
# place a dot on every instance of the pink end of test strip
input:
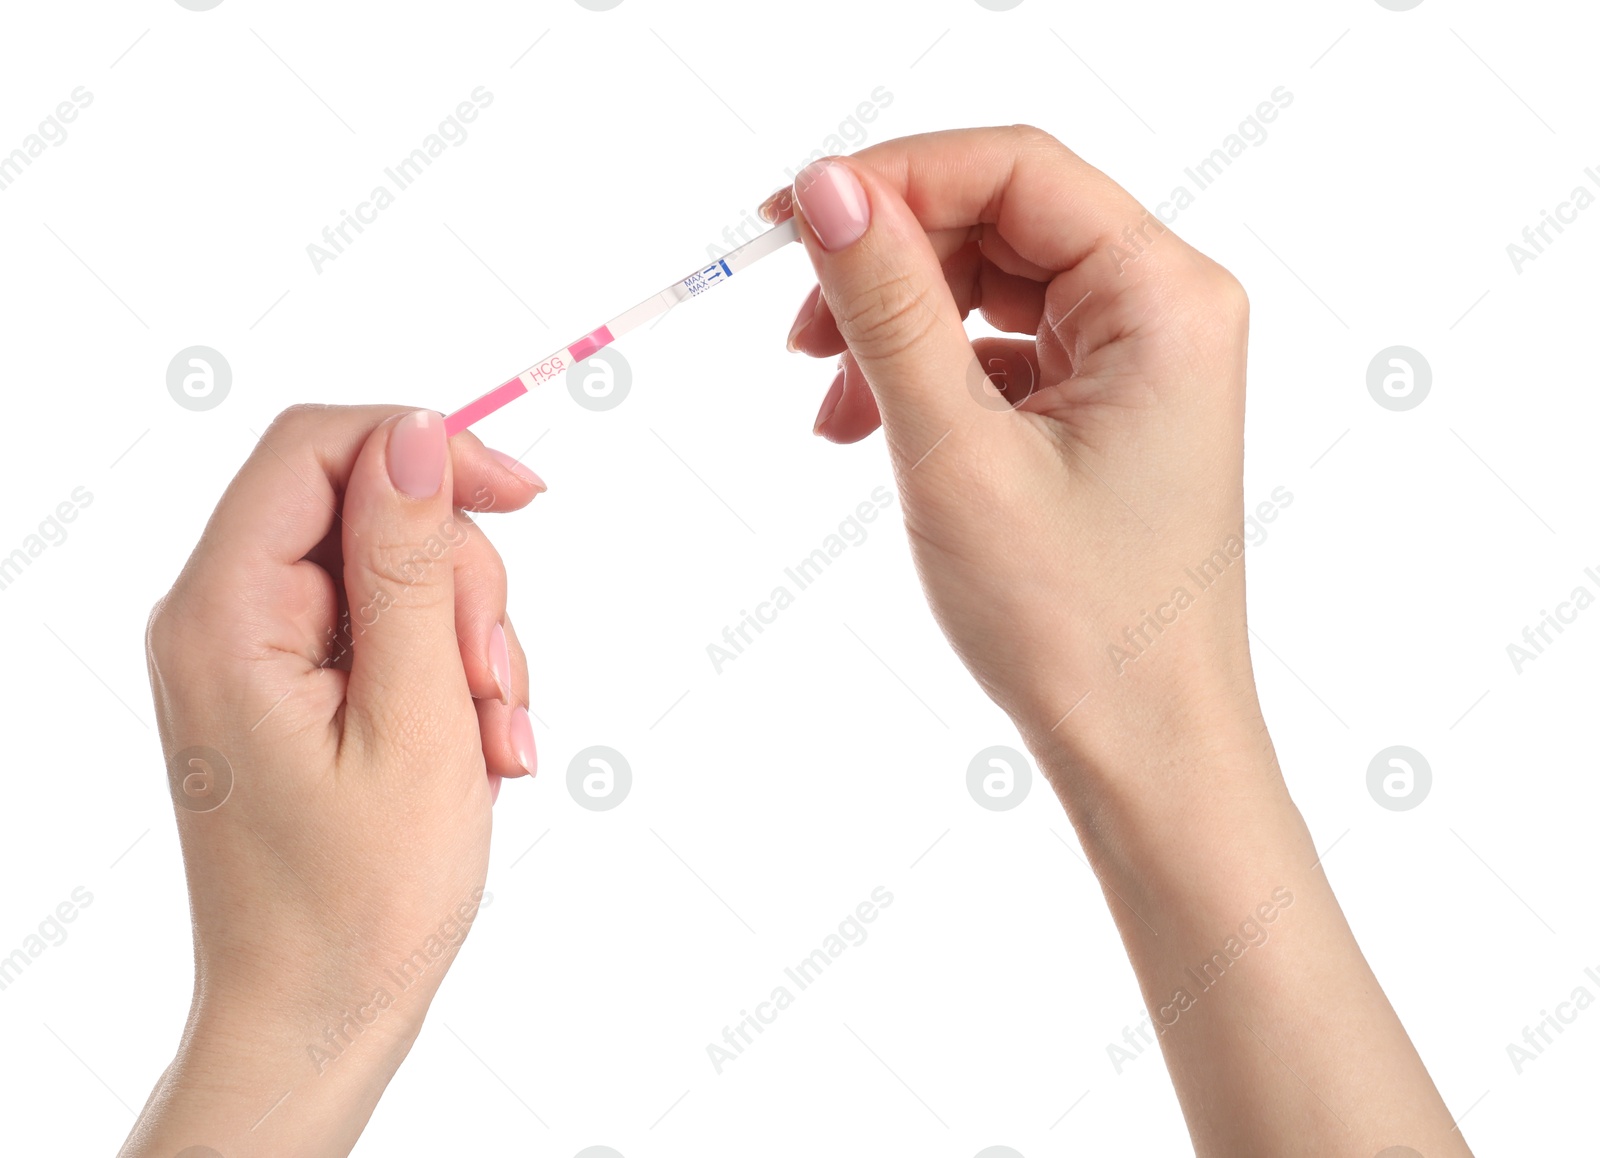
(482, 407)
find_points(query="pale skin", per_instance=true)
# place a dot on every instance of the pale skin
(1053, 500)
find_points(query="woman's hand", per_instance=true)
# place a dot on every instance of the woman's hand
(1060, 488)
(1074, 504)
(339, 693)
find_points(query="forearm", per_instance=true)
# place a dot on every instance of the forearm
(1277, 1035)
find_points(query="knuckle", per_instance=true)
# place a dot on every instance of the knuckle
(296, 419)
(394, 562)
(1031, 136)
(885, 320)
(174, 635)
(390, 569)
(1194, 287)
(1229, 294)
(1218, 296)
(493, 569)
(481, 578)
(160, 631)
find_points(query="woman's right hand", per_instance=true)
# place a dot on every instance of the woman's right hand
(1062, 488)
(1073, 500)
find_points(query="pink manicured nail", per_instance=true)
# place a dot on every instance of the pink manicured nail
(522, 740)
(518, 469)
(803, 319)
(494, 787)
(500, 662)
(830, 403)
(834, 203)
(778, 204)
(416, 454)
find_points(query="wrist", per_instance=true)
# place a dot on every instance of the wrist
(1201, 724)
(1186, 809)
(249, 1079)
(1177, 742)
(245, 1043)
(299, 995)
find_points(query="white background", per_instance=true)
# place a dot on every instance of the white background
(770, 799)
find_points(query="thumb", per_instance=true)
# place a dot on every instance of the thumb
(399, 584)
(886, 290)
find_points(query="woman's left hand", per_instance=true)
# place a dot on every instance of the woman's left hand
(339, 693)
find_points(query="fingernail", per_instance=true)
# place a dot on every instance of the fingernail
(494, 787)
(834, 203)
(522, 740)
(518, 469)
(416, 454)
(777, 204)
(830, 403)
(500, 662)
(808, 312)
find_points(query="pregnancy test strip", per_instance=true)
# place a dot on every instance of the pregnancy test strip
(555, 364)
(563, 360)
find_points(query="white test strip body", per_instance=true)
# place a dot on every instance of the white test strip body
(562, 360)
